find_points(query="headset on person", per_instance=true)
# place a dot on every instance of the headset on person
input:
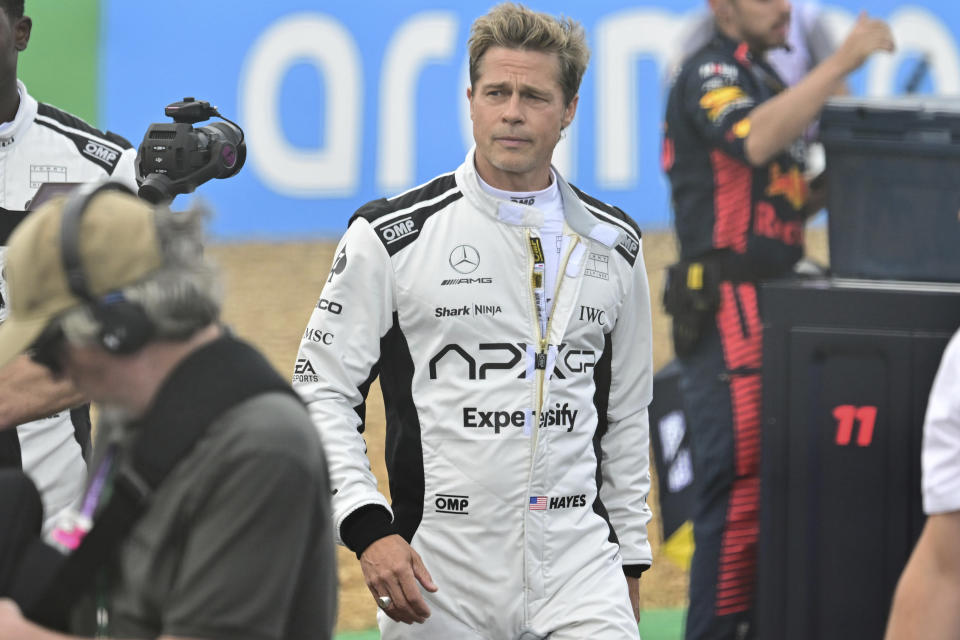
(124, 325)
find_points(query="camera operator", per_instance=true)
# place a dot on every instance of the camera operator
(235, 540)
(44, 424)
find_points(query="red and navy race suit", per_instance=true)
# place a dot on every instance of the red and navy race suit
(750, 221)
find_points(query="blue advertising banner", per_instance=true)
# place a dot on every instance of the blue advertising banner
(346, 102)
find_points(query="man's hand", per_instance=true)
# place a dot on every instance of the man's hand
(392, 568)
(868, 36)
(29, 392)
(633, 587)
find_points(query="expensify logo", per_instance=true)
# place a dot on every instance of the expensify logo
(559, 416)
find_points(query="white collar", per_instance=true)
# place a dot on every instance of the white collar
(26, 112)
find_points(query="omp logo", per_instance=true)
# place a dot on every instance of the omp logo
(630, 247)
(446, 503)
(505, 356)
(526, 201)
(464, 259)
(592, 314)
(318, 335)
(330, 306)
(598, 266)
(100, 152)
(567, 502)
(398, 230)
(303, 371)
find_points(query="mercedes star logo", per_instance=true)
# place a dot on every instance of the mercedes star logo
(465, 259)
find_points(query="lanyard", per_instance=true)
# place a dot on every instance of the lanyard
(74, 525)
(538, 283)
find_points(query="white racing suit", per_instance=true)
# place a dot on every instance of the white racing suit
(518, 463)
(45, 144)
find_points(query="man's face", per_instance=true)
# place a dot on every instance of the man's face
(762, 24)
(518, 112)
(14, 36)
(94, 372)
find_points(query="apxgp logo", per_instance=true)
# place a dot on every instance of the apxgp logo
(464, 259)
(504, 356)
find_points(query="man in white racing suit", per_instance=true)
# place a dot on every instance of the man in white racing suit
(508, 317)
(42, 430)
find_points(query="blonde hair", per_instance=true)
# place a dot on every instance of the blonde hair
(513, 26)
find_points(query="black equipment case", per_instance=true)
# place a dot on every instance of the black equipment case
(893, 175)
(848, 367)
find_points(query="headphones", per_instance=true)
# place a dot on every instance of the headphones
(124, 325)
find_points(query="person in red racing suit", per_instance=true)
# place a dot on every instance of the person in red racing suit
(733, 151)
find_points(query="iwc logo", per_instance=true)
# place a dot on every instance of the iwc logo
(464, 259)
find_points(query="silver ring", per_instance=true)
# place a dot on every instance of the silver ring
(384, 602)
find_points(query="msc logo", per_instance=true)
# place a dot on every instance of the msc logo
(464, 259)
(100, 152)
(446, 503)
(318, 335)
(592, 314)
(303, 371)
(397, 230)
(329, 305)
(504, 356)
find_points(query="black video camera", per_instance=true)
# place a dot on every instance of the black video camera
(176, 158)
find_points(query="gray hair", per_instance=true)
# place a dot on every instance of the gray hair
(513, 26)
(180, 298)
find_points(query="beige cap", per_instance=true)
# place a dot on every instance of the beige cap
(118, 246)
